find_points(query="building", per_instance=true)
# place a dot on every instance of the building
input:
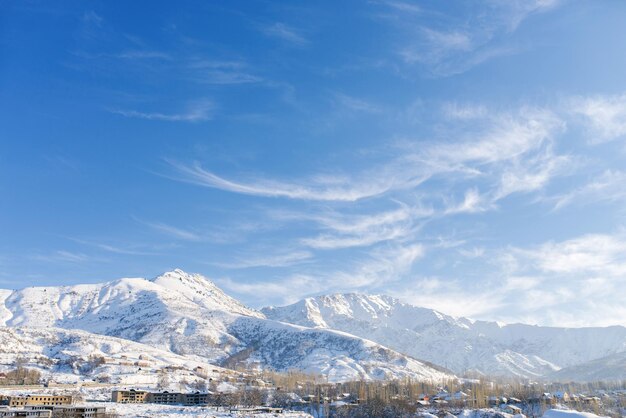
(562, 396)
(548, 398)
(10, 412)
(176, 398)
(129, 396)
(71, 411)
(164, 398)
(78, 412)
(32, 400)
(196, 398)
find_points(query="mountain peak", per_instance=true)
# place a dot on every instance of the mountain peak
(177, 274)
(202, 291)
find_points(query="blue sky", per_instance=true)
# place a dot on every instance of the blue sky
(463, 156)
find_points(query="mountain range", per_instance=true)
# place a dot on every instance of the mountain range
(178, 317)
(188, 315)
(459, 344)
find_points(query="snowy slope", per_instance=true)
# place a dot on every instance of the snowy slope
(561, 413)
(67, 356)
(459, 344)
(190, 316)
(612, 368)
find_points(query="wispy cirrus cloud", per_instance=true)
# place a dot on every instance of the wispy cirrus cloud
(196, 112)
(285, 32)
(607, 187)
(326, 188)
(64, 256)
(502, 136)
(143, 54)
(387, 264)
(587, 254)
(455, 110)
(356, 104)
(173, 231)
(276, 260)
(112, 248)
(574, 282)
(490, 149)
(126, 55)
(472, 202)
(604, 116)
(363, 230)
(401, 6)
(287, 290)
(452, 44)
(220, 72)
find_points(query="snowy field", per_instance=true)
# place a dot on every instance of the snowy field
(558, 413)
(152, 410)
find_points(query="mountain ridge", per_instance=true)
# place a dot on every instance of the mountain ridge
(342, 336)
(457, 343)
(188, 314)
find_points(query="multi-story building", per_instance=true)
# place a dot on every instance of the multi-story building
(10, 412)
(78, 412)
(196, 398)
(31, 400)
(165, 398)
(129, 396)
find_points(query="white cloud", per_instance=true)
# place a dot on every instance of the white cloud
(279, 260)
(355, 104)
(593, 253)
(608, 187)
(383, 266)
(143, 54)
(514, 12)
(472, 202)
(196, 112)
(507, 136)
(454, 110)
(64, 256)
(402, 6)
(202, 70)
(449, 297)
(327, 188)
(173, 231)
(605, 116)
(112, 248)
(286, 33)
(449, 45)
(343, 231)
(285, 291)
(574, 282)
(532, 174)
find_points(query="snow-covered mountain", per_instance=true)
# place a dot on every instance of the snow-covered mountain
(459, 344)
(609, 368)
(189, 315)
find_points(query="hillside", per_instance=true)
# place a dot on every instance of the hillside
(68, 356)
(612, 368)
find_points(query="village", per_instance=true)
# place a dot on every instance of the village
(245, 393)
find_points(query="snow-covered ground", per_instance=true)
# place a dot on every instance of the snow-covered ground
(562, 413)
(162, 411)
